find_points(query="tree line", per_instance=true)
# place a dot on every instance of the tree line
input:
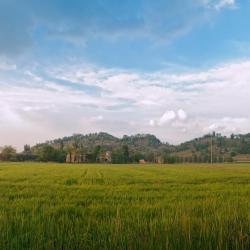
(120, 155)
(92, 148)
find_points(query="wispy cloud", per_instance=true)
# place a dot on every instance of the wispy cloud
(219, 4)
(173, 106)
(7, 66)
(225, 4)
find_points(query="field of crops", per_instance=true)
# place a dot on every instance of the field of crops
(53, 206)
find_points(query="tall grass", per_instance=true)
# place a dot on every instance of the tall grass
(52, 206)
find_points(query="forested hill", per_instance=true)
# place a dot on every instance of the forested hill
(98, 147)
(142, 142)
(149, 147)
(235, 147)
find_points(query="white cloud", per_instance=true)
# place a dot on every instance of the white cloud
(7, 66)
(229, 125)
(170, 117)
(152, 123)
(182, 115)
(167, 117)
(37, 108)
(219, 4)
(225, 3)
(99, 118)
(215, 99)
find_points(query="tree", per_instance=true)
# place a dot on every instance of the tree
(118, 156)
(125, 153)
(60, 155)
(136, 157)
(69, 150)
(8, 153)
(48, 153)
(96, 153)
(171, 160)
(26, 155)
(26, 149)
(149, 156)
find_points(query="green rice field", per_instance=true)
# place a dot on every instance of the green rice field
(60, 206)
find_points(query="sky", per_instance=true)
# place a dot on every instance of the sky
(176, 69)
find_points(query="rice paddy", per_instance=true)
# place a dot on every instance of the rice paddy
(60, 206)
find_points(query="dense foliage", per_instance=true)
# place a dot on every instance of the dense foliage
(132, 149)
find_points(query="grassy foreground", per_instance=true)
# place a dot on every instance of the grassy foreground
(52, 206)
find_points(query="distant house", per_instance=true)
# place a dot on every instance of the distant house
(242, 158)
(108, 156)
(76, 158)
(105, 157)
(158, 160)
(142, 161)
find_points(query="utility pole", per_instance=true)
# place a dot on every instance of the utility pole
(211, 148)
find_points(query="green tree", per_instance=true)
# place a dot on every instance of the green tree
(96, 152)
(26, 148)
(125, 153)
(60, 155)
(8, 153)
(68, 151)
(26, 155)
(149, 156)
(137, 156)
(46, 153)
(118, 156)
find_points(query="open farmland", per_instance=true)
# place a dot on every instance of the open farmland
(60, 206)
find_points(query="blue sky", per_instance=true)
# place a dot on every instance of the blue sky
(176, 69)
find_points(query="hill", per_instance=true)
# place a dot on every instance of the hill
(103, 147)
(223, 148)
(92, 147)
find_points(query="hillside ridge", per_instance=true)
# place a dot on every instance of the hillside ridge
(104, 147)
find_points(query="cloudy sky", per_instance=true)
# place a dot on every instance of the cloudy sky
(176, 69)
